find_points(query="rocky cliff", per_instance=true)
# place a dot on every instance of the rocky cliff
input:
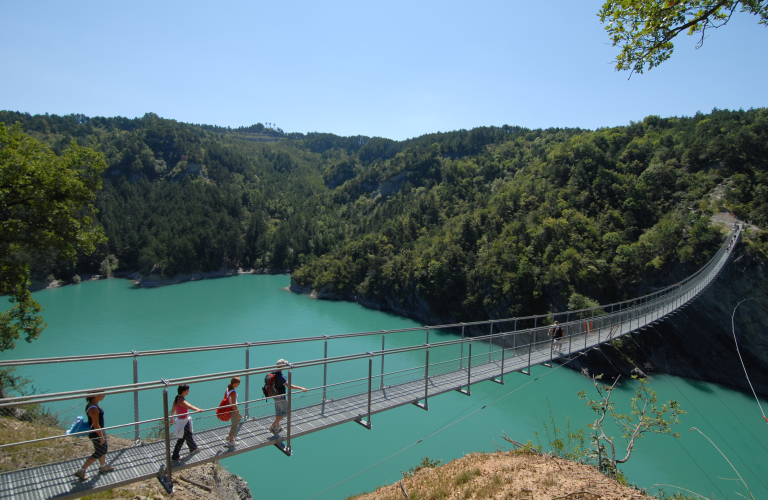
(696, 342)
(204, 482)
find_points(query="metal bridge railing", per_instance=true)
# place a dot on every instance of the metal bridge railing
(513, 344)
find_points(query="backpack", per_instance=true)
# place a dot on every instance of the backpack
(224, 411)
(270, 385)
(79, 425)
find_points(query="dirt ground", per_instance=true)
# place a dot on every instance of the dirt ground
(507, 475)
(33, 454)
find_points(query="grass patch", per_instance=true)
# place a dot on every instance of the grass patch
(466, 476)
(549, 481)
(489, 489)
(28, 455)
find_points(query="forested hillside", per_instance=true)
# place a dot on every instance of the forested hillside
(500, 222)
(493, 221)
(178, 198)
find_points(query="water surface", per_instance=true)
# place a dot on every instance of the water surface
(112, 316)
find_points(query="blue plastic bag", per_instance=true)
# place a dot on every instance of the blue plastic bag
(79, 425)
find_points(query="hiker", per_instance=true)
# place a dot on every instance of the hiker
(277, 390)
(98, 437)
(182, 427)
(234, 421)
(556, 331)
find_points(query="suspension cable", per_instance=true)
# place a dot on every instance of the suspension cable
(706, 420)
(693, 344)
(733, 329)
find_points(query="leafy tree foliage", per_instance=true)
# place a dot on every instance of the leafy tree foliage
(46, 202)
(538, 215)
(489, 222)
(646, 417)
(645, 28)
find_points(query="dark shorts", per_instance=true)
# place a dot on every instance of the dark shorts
(99, 450)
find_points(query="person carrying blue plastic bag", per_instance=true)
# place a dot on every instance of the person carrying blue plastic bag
(98, 437)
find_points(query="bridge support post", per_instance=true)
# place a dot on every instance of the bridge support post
(425, 405)
(645, 313)
(168, 485)
(136, 435)
(287, 449)
(501, 379)
(514, 340)
(490, 344)
(325, 369)
(381, 382)
(570, 334)
(359, 419)
(469, 372)
(530, 346)
(247, 377)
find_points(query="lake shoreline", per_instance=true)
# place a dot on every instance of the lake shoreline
(155, 281)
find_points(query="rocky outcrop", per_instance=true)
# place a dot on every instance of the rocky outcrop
(204, 482)
(411, 305)
(391, 185)
(154, 281)
(697, 342)
(228, 486)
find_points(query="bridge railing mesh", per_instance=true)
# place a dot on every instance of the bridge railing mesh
(135, 410)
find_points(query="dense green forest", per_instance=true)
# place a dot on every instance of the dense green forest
(492, 221)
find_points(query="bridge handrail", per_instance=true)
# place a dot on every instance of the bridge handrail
(183, 350)
(140, 386)
(666, 299)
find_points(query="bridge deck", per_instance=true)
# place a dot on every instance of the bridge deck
(146, 461)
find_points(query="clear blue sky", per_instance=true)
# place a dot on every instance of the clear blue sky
(391, 69)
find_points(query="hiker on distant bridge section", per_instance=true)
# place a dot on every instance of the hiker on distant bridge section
(274, 386)
(98, 437)
(556, 331)
(182, 427)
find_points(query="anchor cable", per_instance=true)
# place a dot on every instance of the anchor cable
(733, 329)
(706, 420)
(693, 344)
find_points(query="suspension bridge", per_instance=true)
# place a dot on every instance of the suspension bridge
(140, 449)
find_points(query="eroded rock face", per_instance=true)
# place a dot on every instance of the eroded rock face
(229, 486)
(698, 342)
(410, 306)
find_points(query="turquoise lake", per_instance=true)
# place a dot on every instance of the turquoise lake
(113, 316)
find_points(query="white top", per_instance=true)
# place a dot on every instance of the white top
(230, 392)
